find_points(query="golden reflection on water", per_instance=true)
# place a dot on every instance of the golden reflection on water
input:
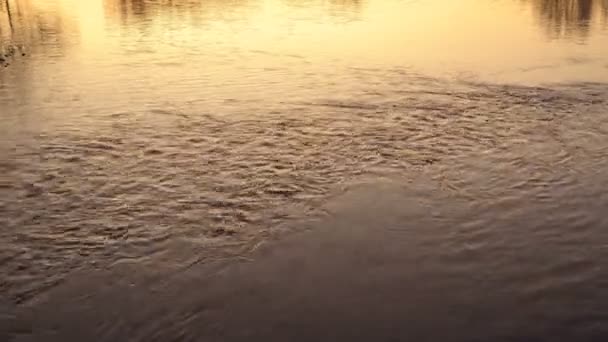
(493, 40)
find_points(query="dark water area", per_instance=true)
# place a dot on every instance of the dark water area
(390, 260)
(152, 149)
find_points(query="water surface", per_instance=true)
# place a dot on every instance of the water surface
(130, 126)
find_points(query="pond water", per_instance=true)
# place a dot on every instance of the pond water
(128, 125)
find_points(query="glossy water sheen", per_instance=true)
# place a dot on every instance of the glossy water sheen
(129, 125)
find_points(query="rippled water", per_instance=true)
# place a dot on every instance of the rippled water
(130, 124)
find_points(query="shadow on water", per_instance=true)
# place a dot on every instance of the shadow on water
(136, 11)
(569, 18)
(9, 17)
(140, 11)
(339, 11)
(26, 26)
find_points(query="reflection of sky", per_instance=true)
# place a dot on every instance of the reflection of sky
(433, 36)
(561, 18)
(45, 21)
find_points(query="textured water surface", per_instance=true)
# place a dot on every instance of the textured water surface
(136, 179)
(129, 125)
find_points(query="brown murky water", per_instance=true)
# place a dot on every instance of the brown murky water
(130, 125)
